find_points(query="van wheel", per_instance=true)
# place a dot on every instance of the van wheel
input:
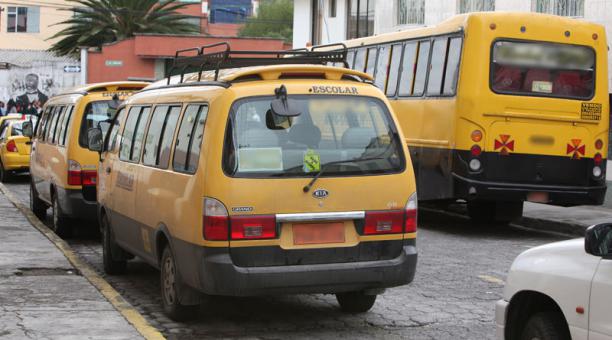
(355, 302)
(494, 211)
(38, 207)
(171, 284)
(111, 266)
(61, 223)
(545, 326)
(5, 176)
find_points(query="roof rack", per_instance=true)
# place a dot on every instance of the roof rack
(196, 58)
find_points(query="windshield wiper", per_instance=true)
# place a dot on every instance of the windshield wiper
(324, 167)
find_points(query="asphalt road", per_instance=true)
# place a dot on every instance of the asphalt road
(460, 275)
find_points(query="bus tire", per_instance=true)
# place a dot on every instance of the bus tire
(494, 211)
(481, 211)
(507, 212)
(171, 285)
(112, 266)
(61, 224)
(355, 302)
(38, 207)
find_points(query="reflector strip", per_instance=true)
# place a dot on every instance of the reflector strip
(504, 145)
(576, 149)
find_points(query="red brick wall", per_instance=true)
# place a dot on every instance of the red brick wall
(133, 66)
(155, 46)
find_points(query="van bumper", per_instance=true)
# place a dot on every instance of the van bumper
(558, 195)
(73, 204)
(219, 276)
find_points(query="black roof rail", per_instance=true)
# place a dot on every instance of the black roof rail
(195, 58)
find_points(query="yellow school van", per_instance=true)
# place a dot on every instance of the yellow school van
(14, 147)
(287, 177)
(62, 169)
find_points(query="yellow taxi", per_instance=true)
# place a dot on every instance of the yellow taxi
(63, 170)
(268, 179)
(14, 147)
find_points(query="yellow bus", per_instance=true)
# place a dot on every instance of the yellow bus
(498, 108)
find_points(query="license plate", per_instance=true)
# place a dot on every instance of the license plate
(318, 233)
(537, 197)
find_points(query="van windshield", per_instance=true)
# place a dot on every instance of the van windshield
(340, 135)
(95, 112)
(543, 69)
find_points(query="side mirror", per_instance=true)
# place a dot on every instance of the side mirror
(598, 240)
(95, 139)
(27, 128)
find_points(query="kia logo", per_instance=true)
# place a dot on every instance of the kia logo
(320, 193)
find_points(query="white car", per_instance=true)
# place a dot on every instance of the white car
(560, 291)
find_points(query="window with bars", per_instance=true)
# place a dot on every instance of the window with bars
(568, 8)
(410, 12)
(23, 19)
(466, 6)
(360, 18)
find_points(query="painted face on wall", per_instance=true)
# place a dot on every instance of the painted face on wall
(31, 82)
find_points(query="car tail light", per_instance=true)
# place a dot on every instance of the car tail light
(74, 173)
(253, 227)
(476, 136)
(89, 177)
(475, 150)
(214, 220)
(11, 146)
(597, 159)
(598, 144)
(384, 222)
(411, 214)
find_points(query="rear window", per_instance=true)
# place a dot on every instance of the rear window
(543, 69)
(95, 112)
(341, 136)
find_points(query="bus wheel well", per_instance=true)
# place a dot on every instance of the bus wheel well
(524, 305)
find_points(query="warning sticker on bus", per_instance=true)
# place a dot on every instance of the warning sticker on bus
(591, 111)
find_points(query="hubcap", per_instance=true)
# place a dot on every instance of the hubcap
(169, 280)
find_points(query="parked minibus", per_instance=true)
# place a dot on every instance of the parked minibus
(498, 108)
(271, 179)
(63, 171)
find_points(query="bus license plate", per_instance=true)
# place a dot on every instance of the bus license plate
(537, 197)
(318, 233)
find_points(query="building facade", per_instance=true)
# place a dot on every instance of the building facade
(328, 21)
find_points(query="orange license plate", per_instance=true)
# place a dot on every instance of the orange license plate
(318, 233)
(537, 197)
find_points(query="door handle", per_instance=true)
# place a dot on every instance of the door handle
(108, 170)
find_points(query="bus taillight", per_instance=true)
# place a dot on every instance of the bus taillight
(597, 159)
(598, 144)
(476, 136)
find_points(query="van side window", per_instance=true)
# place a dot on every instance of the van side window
(452, 66)
(59, 114)
(60, 122)
(129, 132)
(41, 122)
(421, 68)
(51, 124)
(382, 67)
(189, 139)
(160, 135)
(371, 66)
(408, 68)
(139, 134)
(436, 69)
(111, 142)
(66, 125)
(394, 69)
(168, 136)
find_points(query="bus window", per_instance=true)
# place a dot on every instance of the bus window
(394, 69)
(382, 67)
(350, 58)
(408, 66)
(421, 68)
(452, 67)
(436, 70)
(360, 58)
(543, 69)
(371, 66)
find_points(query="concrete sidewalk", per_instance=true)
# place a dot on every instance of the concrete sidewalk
(42, 296)
(567, 220)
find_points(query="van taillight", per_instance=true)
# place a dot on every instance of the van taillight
(411, 214)
(384, 222)
(11, 146)
(74, 173)
(89, 177)
(253, 227)
(214, 220)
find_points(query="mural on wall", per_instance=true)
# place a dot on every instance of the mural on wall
(30, 89)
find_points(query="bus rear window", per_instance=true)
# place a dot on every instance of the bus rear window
(543, 69)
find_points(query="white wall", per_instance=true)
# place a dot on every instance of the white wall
(301, 23)
(600, 11)
(334, 29)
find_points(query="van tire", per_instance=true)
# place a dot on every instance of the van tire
(171, 285)
(60, 223)
(545, 326)
(5, 176)
(38, 206)
(111, 266)
(355, 302)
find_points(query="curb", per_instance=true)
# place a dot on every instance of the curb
(121, 305)
(566, 228)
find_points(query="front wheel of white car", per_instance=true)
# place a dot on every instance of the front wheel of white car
(545, 326)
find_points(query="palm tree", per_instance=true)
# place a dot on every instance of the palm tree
(97, 22)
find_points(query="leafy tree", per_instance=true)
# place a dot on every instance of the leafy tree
(274, 20)
(97, 22)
